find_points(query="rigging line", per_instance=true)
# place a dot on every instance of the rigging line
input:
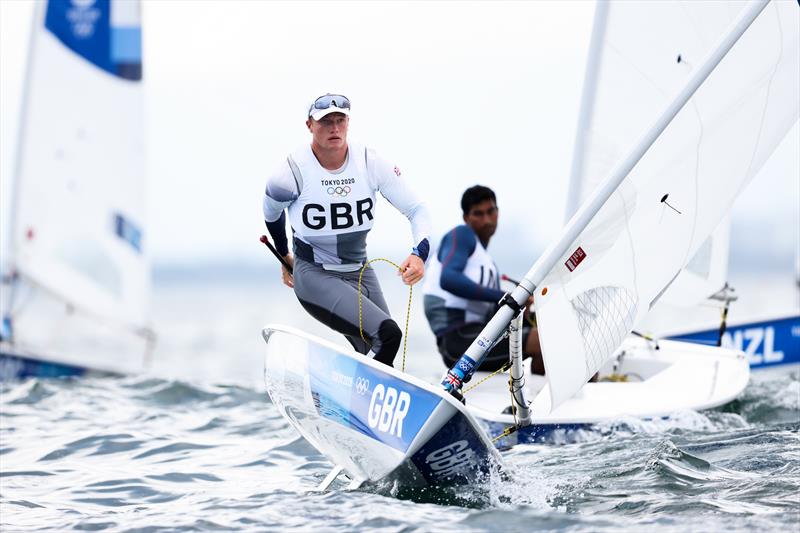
(360, 307)
(503, 368)
(511, 429)
(506, 432)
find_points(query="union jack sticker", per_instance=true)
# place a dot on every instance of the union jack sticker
(452, 379)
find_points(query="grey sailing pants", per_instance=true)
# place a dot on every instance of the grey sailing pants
(332, 298)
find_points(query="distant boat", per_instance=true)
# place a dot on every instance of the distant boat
(640, 53)
(77, 283)
(770, 345)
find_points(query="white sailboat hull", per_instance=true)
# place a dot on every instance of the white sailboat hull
(16, 363)
(678, 376)
(372, 420)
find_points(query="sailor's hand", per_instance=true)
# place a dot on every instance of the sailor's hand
(528, 307)
(412, 269)
(287, 278)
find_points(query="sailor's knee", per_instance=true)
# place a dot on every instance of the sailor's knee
(390, 334)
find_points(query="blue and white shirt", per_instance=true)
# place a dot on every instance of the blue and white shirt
(462, 284)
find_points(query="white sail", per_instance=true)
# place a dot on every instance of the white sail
(78, 214)
(675, 196)
(639, 55)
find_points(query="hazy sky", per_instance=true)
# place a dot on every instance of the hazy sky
(456, 93)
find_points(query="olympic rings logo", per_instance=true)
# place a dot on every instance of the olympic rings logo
(339, 191)
(362, 385)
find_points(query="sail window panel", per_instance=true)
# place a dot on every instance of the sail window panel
(606, 316)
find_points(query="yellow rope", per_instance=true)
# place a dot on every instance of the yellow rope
(360, 315)
(503, 368)
(617, 378)
(508, 431)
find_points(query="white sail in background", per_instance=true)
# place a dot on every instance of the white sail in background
(641, 53)
(79, 206)
(675, 196)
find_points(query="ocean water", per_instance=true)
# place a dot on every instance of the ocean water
(194, 444)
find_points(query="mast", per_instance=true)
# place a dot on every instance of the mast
(512, 302)
(10, 276)
(587, 107)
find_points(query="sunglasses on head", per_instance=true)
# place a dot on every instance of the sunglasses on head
(335, 100)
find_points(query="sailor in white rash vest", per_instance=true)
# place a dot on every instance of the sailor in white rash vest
(328, 189)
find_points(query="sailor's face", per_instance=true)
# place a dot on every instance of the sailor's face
(482, 218)
(329, 132)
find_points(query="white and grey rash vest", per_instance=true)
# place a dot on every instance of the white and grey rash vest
(331, 212)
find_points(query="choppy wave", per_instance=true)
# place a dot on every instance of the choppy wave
(166, 455)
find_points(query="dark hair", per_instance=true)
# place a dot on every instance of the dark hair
(475, 195)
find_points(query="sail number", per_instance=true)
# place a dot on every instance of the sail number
(387, 409)
(749, 340)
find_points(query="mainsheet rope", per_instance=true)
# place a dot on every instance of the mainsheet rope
(509, 430)
(360, 312)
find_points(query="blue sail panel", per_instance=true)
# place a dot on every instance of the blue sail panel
(86, 27)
